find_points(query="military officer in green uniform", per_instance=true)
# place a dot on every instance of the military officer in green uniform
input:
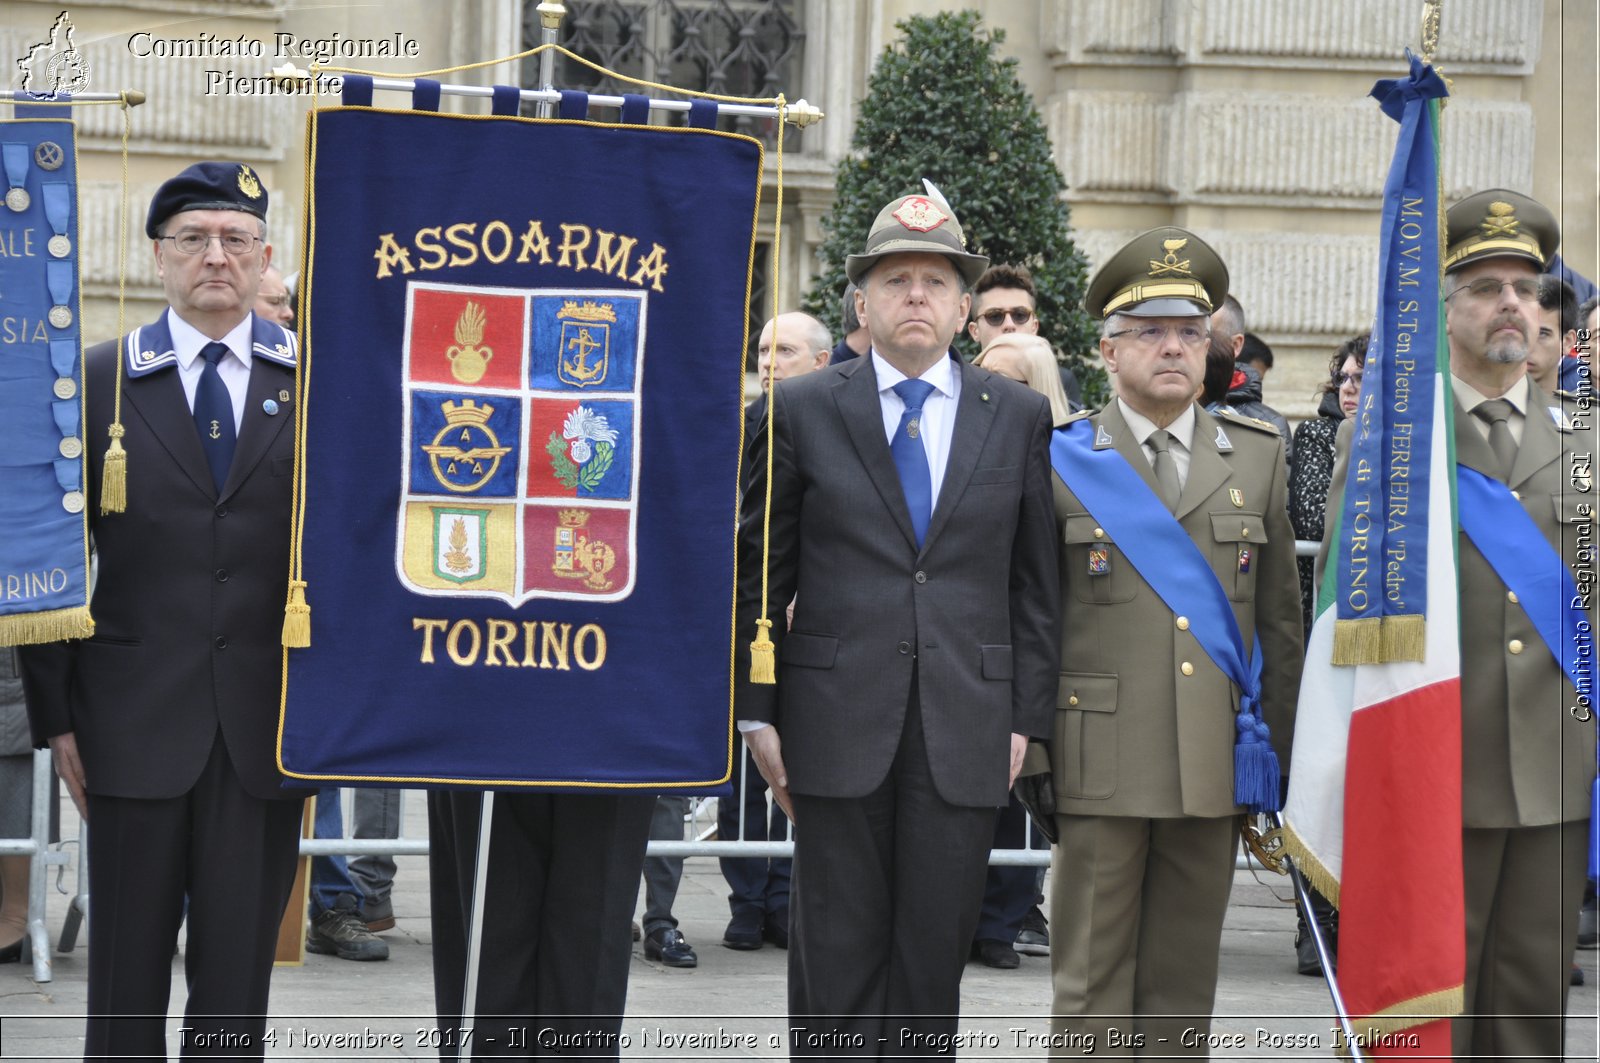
(1143, 759)
(1528, 759)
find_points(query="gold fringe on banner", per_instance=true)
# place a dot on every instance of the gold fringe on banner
(1373, 1030)
(1403, 638)
(53, 625)
(1316, 874)
(1358, 641)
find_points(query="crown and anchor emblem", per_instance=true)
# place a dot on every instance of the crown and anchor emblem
(585, 335)
(1170, 263)
(1500, 221)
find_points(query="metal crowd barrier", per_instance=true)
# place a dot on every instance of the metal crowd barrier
(702, 844)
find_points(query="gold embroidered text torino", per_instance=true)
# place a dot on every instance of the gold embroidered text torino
(509, 644)
(581, 247)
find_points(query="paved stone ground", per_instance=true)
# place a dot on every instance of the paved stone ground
(738, 996)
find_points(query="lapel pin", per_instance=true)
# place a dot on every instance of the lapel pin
(984, 395)
(1236, 496)
(271, 408)
(1102, 438)
(283, 396)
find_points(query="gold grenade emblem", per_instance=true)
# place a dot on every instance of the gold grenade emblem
(468, 360)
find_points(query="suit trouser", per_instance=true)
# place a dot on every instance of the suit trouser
(1009, 891)
(563, 876)
(233, 856)
(1523, 887)
(1137, 907)
(756, 884)
(663, 873)
(375, 814)
(885, 898)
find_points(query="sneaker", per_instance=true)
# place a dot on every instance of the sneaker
(1034, 937)
(341, 932)
(666, 944)
(997, 954)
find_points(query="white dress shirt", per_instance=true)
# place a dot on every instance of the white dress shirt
(234, 370)
(938, 412)
(1471, 398)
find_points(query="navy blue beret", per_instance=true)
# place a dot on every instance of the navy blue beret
(207, 186)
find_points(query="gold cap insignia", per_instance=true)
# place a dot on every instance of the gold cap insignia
(1501, 220)
(248, 183)
(1170, 264)
(920, 215)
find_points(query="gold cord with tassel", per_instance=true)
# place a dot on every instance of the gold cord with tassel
(763, 654)
(114, 473)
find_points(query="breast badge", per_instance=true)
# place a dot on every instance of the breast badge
(500, 446)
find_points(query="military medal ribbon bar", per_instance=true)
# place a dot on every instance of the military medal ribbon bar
(44, 566)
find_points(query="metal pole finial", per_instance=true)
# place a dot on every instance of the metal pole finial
(1430, 29)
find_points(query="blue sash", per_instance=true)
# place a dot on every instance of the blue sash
(1168, 560)
(1532, 570)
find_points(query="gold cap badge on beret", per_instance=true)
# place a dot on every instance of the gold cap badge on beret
(248, 183)
(1498, 222)
(1165, 272)
(916, 224)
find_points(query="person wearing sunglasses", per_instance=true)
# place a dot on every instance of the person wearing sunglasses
(1005, 302)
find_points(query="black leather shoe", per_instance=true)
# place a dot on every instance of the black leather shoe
(1576, 977)
(1305, 955)
(666, 944)
(775, 928)
(997, 954)
(744, 932)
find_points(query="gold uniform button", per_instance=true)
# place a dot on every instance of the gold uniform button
(1517, 495)
(1186, 668)
(1245, 532)
(1511, 596)
(1099, 533)
(1515, 646)
(1073, 700)
(1183, 623)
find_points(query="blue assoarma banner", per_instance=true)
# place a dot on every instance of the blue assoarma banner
(523, 409)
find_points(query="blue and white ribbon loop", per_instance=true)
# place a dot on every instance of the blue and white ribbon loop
(58, 212)
(1383, 520)
(1158, 548)
(60, 278)
(16, 164)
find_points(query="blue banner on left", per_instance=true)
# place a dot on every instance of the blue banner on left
(44, 552)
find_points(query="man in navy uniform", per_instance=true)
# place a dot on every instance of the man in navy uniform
(164, 723)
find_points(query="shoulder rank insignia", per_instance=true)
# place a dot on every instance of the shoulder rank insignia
(1235, 417)
(1102, 438)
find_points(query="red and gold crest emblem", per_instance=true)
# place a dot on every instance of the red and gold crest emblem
(920, 215)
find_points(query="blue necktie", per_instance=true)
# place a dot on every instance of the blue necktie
(910, 459)
(213, 414)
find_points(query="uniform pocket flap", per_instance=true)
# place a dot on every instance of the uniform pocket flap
(1087, 692)
(809, 651)
(1238, 528)
(1083, 528)
(1574, 508)
(997, 474)
(996, 662)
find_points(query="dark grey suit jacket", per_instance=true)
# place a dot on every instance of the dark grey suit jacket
(975, 612)
(188, 607)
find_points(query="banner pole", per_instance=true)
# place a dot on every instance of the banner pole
(132, 97)
(551, 13)
(480, 879)
(1303, 899)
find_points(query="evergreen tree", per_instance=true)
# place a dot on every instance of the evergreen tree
(943, 104)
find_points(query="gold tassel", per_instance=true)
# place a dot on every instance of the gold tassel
(52, 625)
(763, 656)
(1357, 641)
(1404, 638)
(114, 477)
(297, 617)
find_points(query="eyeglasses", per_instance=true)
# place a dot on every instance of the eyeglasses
(1484, 289)
(1153, 335)
(274, 300)
(193, 242)
(1341, 379)
(1019, 316)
